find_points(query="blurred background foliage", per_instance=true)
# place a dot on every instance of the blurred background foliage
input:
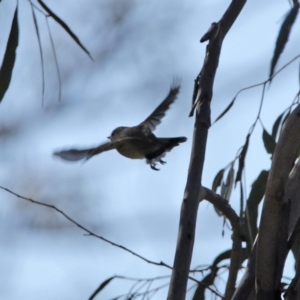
(137, 48)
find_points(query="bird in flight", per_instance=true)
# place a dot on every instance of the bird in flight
(137, 142)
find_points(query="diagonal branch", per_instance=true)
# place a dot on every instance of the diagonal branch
(224, 206)
(237, 236)
(246, 286)
(89, 232)
(289, 216)
(268, 251)
(203, 95)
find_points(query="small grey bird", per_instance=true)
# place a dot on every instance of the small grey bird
(137, 142)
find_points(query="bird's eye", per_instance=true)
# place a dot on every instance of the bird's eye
(113, 133)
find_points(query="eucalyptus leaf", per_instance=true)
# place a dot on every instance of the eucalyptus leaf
(269, 142)
(101, 287)
(242, 159)
(217, 180)
(225, 110)
(283, 36)
(64, 26)
(9, 56)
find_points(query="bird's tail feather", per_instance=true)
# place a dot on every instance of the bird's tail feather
(167, 144)
(173, 142)
(73, 154)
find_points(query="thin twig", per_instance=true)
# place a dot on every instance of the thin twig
(87, 230)
(55, 59)
(90, 233)
(268, 80)
(40, 49)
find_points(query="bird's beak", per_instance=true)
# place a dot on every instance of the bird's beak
(109, 137)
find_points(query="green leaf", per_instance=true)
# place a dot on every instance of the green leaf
(226, 110)
(269, 142)
(227, 186)
(256, 195)
(242, 160)
(258, 189)
(101, 287)
(64, 26)
(283, 36)
(217, 180)
(276, 126)
(9, 56)
(226, 190)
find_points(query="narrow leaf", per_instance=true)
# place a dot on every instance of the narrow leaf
(101, 287)
(227, 186)
(242, 160)
(226, 189)
(258, 189)
(55, 60)
(241, 199)
(283, 36)
(64, 26)
(276, 126)
(269, 142)
(256, 195)
(9, 56)
(40, 49)
(225, 110)
(217, 180)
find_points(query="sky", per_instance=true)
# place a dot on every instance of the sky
(138, 48)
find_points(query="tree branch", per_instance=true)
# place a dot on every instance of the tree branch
(89, 232)
(267, 251)
(293, 290)
(284, 244)
(235, 259)
(246, 285)
(224, 206)
(203, 95)
(293, 193)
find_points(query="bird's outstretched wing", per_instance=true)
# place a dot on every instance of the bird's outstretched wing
(75, 155)
(155, 118)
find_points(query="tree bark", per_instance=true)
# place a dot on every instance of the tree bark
(267, 248)
(203, 95)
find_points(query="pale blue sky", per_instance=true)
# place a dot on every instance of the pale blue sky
(45, 257)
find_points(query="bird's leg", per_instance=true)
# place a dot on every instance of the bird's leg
(152, 166)
(162, 161)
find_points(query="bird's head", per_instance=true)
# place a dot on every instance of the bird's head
(118, 133)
